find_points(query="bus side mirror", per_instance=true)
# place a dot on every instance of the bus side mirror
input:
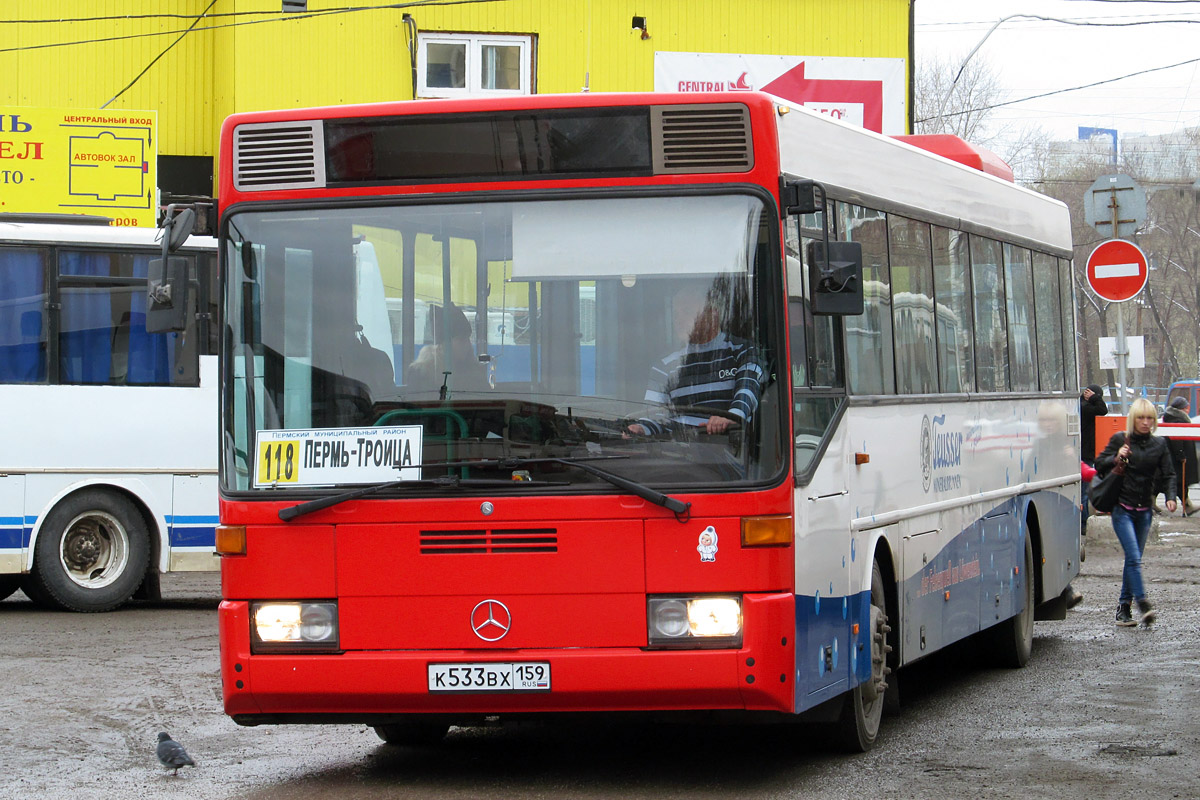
(167, 279)
(835, 278)
(167, 295)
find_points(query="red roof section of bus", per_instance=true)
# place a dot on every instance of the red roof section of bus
(955, 149)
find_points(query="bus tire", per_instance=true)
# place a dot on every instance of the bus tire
(1011, 642)
(411, 734)
(8, 585)
(91, 554)
(857, 729)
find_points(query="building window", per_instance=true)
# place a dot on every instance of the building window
(456, 64)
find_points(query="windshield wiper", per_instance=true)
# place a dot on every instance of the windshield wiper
(445, 481)
(582, 462)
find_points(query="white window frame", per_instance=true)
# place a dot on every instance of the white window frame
(475, 43)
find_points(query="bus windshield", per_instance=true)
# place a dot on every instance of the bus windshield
(409, 341)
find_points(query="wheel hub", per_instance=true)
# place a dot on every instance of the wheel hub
(83, 547)
(94, 549)
(874, 688)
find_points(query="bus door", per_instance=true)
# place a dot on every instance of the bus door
(824, 555)
(825, 558)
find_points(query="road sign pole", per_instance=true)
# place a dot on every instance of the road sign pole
(1120, 352)
(1121, 348)
(1117, 270)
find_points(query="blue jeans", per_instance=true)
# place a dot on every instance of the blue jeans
(1132, 529)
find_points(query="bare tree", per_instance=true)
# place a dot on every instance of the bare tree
(1167, 312)
(958, 99)
(950, 98)
(964, 107)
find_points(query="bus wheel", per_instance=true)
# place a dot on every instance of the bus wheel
(91, 554)
(8, 585)
(858, 727)
(1011, 642)
(411, 734)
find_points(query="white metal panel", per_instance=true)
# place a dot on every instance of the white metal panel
(866, 164)
(192, 525)
(12, 523)
(113, 429)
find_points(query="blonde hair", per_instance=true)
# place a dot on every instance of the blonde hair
(1141, 408)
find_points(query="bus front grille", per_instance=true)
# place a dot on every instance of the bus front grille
(477, 541)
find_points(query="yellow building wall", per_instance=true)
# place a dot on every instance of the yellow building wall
(248, 55)
(83, 53)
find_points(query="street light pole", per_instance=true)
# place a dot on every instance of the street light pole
(963, 65)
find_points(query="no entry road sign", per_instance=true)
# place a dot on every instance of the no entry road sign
(1117, 270)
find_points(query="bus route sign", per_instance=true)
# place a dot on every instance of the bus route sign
(1117, 270)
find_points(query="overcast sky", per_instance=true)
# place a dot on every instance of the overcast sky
(1032, 57)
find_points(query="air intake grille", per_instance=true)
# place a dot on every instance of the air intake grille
(477, 542)
(279, 155)
(703, 138)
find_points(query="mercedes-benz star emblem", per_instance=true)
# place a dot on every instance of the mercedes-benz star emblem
(491, 620)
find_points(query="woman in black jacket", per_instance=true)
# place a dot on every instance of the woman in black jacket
(1145, 461)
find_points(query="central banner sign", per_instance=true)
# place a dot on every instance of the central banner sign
(868, 92)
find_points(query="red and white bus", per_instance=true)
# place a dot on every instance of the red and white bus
(628, 403)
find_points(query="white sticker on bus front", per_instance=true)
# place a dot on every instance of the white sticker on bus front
(331, 457)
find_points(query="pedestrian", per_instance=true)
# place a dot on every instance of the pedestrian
(1145, 464)
(1091, 405)
(1183, 452)
(1086, 473)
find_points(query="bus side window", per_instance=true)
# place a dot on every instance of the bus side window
(22, 322)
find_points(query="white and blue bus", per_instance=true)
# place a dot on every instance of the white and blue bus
(901, 472)
(108, 475)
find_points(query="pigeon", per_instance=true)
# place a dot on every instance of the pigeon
(171, 753)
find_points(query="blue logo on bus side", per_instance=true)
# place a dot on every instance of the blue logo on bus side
(941, 449)
(926, 451)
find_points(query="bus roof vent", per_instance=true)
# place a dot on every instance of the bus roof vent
(278, 155)
(702, 138)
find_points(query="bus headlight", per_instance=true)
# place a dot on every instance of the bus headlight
(293, 627)
(694, 622)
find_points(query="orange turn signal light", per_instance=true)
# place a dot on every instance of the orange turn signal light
(862, 458)
(767, 531)
(231, 540)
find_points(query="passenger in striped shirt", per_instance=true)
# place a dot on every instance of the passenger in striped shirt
(712, 371)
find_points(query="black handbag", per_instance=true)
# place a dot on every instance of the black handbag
(1105, 490)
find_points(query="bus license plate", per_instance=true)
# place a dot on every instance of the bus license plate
(523, 676)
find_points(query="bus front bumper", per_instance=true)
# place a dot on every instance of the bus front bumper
(371, 687)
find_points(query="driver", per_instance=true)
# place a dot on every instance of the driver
(713, 370)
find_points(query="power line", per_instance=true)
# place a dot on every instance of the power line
(130, 17)
(1056, 91)
(195, 22)
(1121, 21)
(291, 17)
(1091, 24)
(1164, 2)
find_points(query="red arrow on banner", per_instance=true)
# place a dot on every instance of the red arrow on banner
(792, 85)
